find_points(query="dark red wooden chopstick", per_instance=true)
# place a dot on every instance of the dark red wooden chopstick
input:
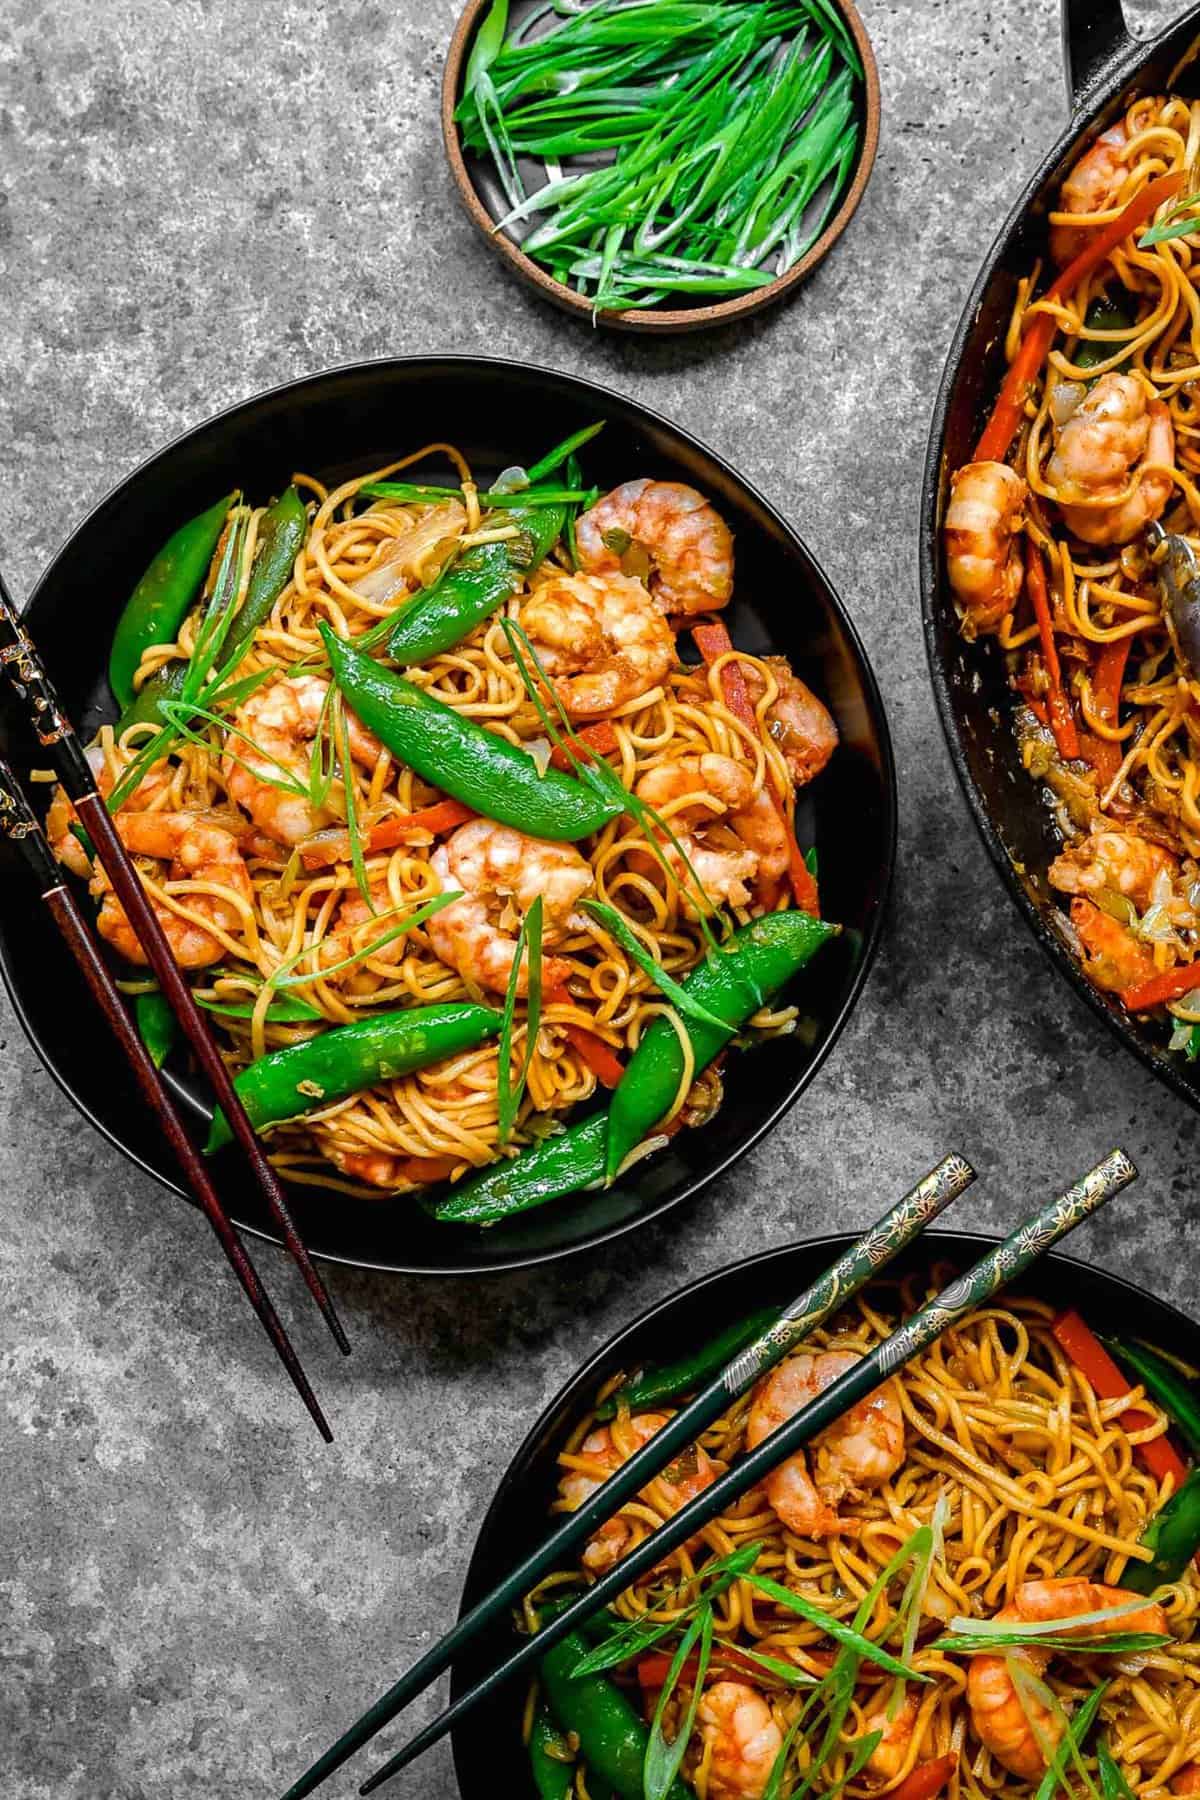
(18, 822)
(54, 731)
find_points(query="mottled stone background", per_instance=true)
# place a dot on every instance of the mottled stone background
(201, 198)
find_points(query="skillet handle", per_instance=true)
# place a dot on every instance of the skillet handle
(1094, 37)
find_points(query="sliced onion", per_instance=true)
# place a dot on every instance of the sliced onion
(1065, 399)
(541, 750)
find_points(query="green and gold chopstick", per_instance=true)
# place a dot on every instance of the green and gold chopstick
(992, 1272)
(852, 1270)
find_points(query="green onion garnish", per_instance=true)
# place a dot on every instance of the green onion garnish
(663, 149)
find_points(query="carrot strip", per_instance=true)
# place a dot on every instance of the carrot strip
(1160, 990)
(1103, 755)
(441, 817)
(599, 740)
(1085, 1350)
(1001, 428)
(927, 1779)
(713, 642)
(1062, 719)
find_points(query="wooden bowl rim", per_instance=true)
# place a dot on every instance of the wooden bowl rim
(654, 319)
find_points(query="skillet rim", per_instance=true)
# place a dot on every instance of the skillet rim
(1128, 63)
(591, 392)
(827, 1244)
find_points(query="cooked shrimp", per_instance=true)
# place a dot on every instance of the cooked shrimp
(358, 926)
(1119, 860)
(1010, 1720)
(198, 851)
(1093, 186)
(278, 723)
(1187, 1779)
(983, 557)
(1112, 957)
(689, 545)
(602, 639)
(501, 872)
(890, 1753)
(61, 815)
(1114, 437)
(694, 793)
(860, 1452)
(738, 1727)
(679, 1482)
(796, 720)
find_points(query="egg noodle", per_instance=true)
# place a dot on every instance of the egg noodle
(1027, 1477)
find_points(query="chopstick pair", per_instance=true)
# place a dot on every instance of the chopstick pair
(898, 1228)
(54, 731)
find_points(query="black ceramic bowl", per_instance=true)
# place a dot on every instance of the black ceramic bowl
(488, 1753)
(1106, 68)
(500, 413)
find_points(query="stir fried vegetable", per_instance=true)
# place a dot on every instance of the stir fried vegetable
(281, 532)
(670, 1380)
(294, 1080)
(733, 982)
(726, 132)
(473, 765)
(1173, 1534)
(1088, 1354)
(162, 598)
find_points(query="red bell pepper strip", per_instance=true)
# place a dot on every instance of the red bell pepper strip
(1160, 990)
(1062, 719)
(1085, 1350)
(1001, 428)
(927, 1779)
(590, 740)
(439, 818)
(600, 1058)
(1102, 753)
(713, 642)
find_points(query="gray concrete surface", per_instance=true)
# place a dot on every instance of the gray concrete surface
(203, 198)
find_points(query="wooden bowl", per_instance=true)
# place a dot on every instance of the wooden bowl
(484, 200)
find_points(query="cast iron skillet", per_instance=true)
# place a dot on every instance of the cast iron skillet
(488, 1754)
(1105, 67)
(501, 413)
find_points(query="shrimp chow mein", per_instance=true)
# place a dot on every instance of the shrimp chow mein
(1070, 539)
(980, 1581)
(458, 804)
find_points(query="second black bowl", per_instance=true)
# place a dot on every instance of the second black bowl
(488, 1754)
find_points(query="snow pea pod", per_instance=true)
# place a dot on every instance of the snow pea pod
(474, 585)
(1178, 1397)
(486, 772)
(156, 1024)
(733, 982)
(162, 598)
(294, 1080)
(669, 1380)
(612, 1737)
(281, 532)
(1173, 1534)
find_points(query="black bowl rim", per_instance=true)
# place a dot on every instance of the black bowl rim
(830, 1243)
(1153, 1056)
(595, 393)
